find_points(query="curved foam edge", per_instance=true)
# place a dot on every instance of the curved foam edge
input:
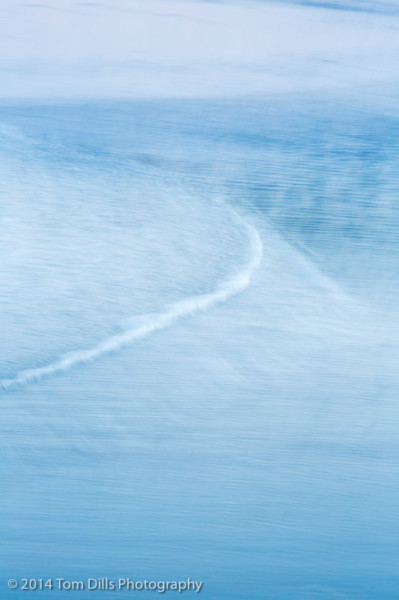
(153, 322)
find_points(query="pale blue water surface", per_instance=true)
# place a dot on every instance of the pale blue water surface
(199, 346)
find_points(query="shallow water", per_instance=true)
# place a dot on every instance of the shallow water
(248, 439)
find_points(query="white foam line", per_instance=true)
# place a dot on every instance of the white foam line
(153, 322)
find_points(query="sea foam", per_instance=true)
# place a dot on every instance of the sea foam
(145, 325)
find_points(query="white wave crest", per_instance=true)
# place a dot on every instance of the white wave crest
(147, 324)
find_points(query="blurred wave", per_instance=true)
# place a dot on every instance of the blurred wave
(151, 323)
